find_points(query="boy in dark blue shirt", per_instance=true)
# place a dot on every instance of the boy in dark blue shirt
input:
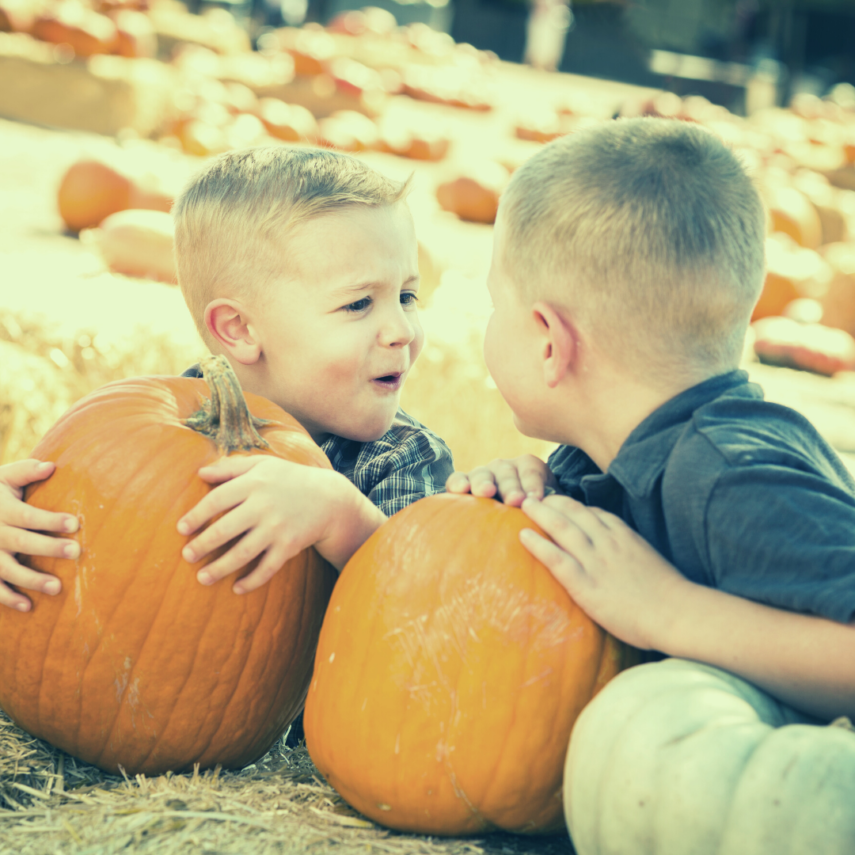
(627, 261)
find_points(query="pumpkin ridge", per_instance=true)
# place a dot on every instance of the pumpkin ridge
(318, 579)
(226, 711)
(276, 703)
(91, 535)
(42, 662)
(187, 678)
(225, 715)
(203, 628)
(439, 513)
(147, 635)
(365, 592)
(300, 640)
(451, 523)
(491, 778)
(539, 586)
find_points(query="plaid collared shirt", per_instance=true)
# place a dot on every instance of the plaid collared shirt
(407, 463)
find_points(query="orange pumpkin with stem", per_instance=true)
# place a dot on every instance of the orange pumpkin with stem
(450, 669)
(135, 664)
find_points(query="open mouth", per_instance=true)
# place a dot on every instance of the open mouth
(390, 381)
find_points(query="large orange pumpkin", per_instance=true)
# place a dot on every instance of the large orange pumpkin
(450, 669)
(136, 664)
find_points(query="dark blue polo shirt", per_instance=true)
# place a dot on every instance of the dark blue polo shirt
(738, 493)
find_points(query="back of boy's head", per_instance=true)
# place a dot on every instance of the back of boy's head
(651, 233)
(232, 220)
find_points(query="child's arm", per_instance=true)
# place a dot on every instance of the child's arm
(20, 527)
(508, 480)
(630, 590)
(277, 508)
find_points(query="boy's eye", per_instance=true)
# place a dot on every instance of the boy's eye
(409, 298)
(359, 305)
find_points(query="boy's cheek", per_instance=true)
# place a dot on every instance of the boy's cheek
(417, 344)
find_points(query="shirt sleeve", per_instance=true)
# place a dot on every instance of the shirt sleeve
(418, 465)
(783, 537)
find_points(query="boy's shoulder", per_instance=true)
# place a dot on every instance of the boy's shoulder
(743, 430)
(407, 463)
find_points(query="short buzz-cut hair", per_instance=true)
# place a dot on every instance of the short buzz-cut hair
(232, 218)
(651, 230)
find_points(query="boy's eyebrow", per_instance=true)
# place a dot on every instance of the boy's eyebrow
(353, 289)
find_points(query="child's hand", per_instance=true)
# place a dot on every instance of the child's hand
(275, 507)
(20, 525)
(609, 570)
(508, 480)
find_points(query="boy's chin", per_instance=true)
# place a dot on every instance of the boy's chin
(367, 433)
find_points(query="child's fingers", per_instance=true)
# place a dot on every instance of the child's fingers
(12, 600)
(229, 467)
(593, 521)
(23, 472)
(457, 482)
(270, 564)
(18, 540)
(482, 482)
(18, 514)
(506, 476)
(221, 499)
(250, 546)
(229, 526)
(564, 567)
(562, 524)
(13, 573)
(534, 476)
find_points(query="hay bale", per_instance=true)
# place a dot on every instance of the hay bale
(50, 802)
(47, 367)
(34, 393)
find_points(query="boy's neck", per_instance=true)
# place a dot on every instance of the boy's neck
(612, 405)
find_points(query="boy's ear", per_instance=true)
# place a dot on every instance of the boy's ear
(227, 323)
(559, 341)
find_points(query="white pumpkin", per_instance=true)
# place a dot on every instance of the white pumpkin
(679, 758)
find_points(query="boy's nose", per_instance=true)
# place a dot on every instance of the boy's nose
(397, 331)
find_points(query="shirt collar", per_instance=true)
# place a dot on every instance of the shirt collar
(642, 457)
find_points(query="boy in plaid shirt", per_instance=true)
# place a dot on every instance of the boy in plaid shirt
(301, 267)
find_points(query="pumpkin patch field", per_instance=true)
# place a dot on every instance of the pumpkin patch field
(88, 301)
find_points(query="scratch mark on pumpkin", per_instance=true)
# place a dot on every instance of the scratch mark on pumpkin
(133, 695)
(536, 678)
(78, 595)
(122, 679)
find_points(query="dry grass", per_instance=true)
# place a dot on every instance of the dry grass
(51, 803)
(47, 367)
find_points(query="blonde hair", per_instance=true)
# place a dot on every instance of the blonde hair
(231, 220)
(654, 234)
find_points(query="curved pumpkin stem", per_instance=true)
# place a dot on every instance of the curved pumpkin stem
(225, 417)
